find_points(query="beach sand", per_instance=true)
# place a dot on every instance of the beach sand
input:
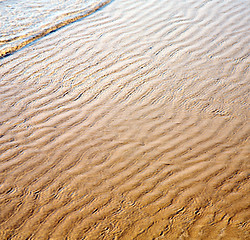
(132, 123)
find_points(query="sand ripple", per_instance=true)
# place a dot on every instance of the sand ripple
(130, 124)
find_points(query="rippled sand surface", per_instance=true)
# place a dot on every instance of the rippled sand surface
(132, 123)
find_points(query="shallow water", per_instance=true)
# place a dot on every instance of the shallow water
(23, 22)
(132, 123)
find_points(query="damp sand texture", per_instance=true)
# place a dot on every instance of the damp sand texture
(131, 123)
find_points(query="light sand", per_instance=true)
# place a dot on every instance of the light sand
(130, 124)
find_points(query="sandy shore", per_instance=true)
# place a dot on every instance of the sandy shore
(132, 123)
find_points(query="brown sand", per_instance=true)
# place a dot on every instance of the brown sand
(130, 124)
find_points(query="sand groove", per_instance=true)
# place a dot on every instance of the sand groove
(129, 124)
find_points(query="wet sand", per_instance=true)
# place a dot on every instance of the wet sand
(132, 123)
